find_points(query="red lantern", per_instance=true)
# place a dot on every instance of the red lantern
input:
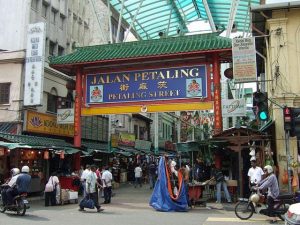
(46, 155)
(62, 155)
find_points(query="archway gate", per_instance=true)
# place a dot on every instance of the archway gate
(169, 74)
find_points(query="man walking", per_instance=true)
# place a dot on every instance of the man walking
(83, 178)
(138, 175)
(152, 174)
(91, 182)
(106, 182)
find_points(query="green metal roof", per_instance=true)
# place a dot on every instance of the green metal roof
(140, 49)
(95, 146)
(38, 142)
(13, 145)
(168, 16)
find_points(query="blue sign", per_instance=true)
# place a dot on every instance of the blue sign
(147, 85)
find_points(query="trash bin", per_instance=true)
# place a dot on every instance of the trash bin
(292, 217)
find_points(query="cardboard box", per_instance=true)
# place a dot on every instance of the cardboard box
(123, 177)
(115, 185)
(232, 183)
(73, 195)
(64, 196)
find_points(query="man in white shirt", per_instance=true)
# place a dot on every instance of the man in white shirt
(255, 174)
(83, 178)
(106, 182)
(91, 189)
(138, 176)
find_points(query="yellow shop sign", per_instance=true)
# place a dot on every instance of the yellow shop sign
(47, 124)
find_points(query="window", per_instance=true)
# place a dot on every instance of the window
(44, 10)
(61, 50)
(34, 4)
(4, 93)
(53, 16)
(61, 21)
(52, 101)
(136, 131)
(51, 48)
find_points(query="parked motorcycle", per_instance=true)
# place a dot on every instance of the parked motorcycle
(20, 204)
(245, 208)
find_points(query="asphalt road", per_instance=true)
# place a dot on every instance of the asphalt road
(129, 207)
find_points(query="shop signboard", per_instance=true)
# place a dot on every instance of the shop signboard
(34, 66)
(169, 146)
(65, 116)
(114, 140)
(244, 59)
(126, 139)
(147, 85)
(143, 145)
(47, 124)
(233, 107)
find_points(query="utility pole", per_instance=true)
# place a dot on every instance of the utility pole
(288, 159)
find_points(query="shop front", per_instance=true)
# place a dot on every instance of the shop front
(40, 154)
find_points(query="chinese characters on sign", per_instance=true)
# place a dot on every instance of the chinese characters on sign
(34, 68)
(147, 85)
(244, 59)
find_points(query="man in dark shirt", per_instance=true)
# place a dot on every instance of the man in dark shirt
(22, 185)
(152, 174)
(220, 181)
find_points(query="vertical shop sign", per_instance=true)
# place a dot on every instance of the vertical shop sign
(244, 59)
(34, 67)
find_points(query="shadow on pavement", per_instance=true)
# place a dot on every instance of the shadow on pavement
(27, 217)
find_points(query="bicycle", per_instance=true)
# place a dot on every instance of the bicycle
(245, 208)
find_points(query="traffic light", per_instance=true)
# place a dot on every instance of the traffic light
(260, 102)
(287, 118)
(295, 123)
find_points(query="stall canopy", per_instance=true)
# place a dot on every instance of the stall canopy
(27, 141)
(13, 145)
(149, 17)
(92, 147)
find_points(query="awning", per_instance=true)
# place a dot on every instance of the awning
(93, 147)
(34, 142)
(13, 145)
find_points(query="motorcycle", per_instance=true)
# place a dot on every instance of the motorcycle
(245, 208)
(20, 204)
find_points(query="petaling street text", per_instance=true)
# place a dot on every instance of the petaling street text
(144, 94)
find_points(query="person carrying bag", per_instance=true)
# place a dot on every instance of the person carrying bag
(50, 190)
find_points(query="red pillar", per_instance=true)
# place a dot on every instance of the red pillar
(217, 94)
(78, 103)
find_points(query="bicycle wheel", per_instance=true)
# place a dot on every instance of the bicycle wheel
(244, 210)
(2, 207)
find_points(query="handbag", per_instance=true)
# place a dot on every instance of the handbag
(87, 203)
(49, 186)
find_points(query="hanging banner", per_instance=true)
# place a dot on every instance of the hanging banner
(147, 85)
(34, 66)
(244, 59)
(233, 107)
